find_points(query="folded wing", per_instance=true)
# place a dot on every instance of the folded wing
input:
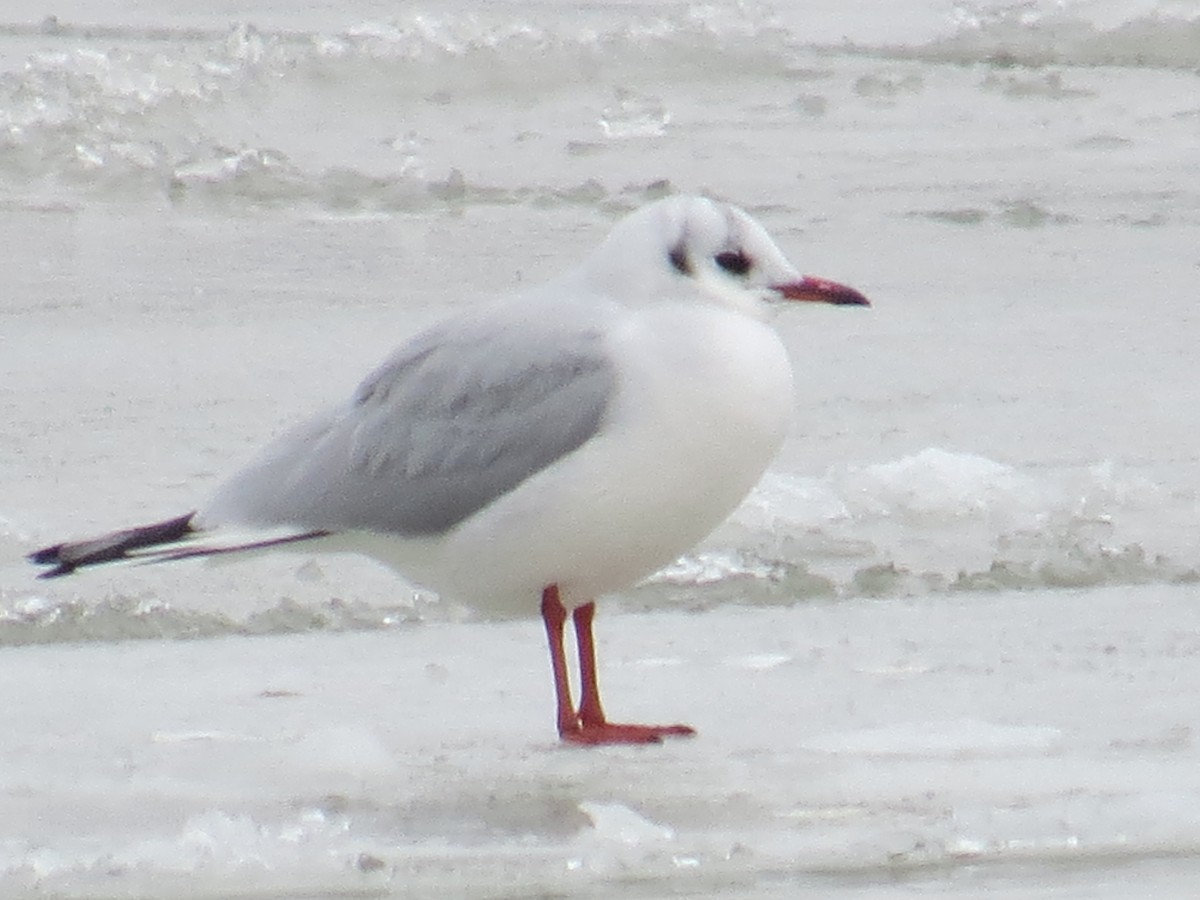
(453, 420)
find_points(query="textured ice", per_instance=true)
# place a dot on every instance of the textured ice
(936, 482)
(946, 649)
(867, 739)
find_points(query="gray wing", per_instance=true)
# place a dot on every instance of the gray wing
(453, 420)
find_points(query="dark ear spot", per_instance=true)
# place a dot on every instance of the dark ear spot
(679, 260)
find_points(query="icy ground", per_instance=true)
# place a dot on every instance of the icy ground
(1038, 743)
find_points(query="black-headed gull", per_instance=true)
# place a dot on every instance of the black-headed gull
(554, 445)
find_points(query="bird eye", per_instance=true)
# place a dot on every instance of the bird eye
(735, 262)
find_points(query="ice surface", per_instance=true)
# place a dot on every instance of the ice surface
(946, 648)
(953, 738)
(876, 744)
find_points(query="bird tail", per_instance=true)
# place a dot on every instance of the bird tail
(159, 542)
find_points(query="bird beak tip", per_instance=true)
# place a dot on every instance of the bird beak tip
(821, 290)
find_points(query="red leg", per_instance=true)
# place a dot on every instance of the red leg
(554, 615)
(594, 728)
(591, 712)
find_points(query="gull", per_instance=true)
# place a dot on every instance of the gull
(542, 449)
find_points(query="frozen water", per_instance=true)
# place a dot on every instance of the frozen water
(954, 738)
(948, 645)
(840, 745)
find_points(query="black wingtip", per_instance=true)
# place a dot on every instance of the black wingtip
(57, 572)
(68, 556)
(47, 556)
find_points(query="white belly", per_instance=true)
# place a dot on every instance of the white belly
(674, 457)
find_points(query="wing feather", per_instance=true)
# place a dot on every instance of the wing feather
(453, 420)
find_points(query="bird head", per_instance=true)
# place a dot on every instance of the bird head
(687, 246)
